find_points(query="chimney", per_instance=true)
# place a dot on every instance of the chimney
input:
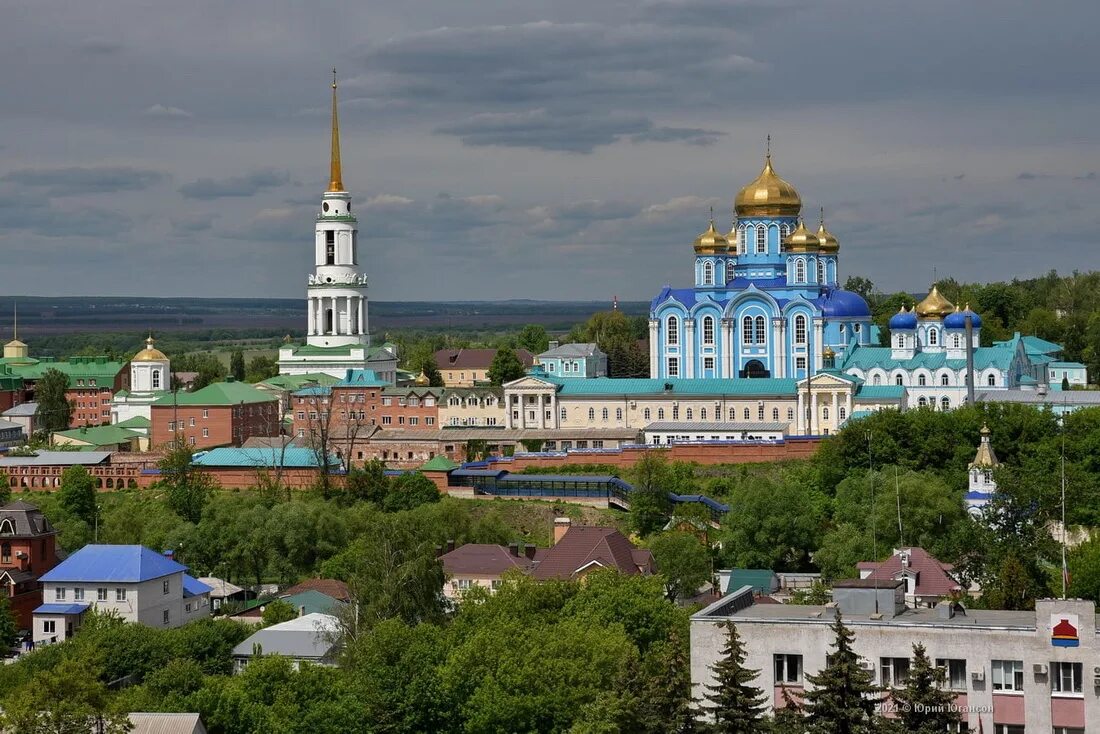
(553, 344)
(24, 561)
(529, 550)
(513, 548)
(450, 545)
(561, 527)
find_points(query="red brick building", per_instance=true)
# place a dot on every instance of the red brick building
(27, 550)
(220, 414)
(410, 407)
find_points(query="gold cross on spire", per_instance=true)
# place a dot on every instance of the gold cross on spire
(336, 182)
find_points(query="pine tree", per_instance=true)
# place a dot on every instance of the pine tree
(841, 698)
(236, 365)
(54, 409)
(665, 703)
(735, 705)
(924, 707)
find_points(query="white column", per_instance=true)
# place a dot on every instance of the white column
(689, 348)
(654, 370)
(362, 326)
(800, 416)
(848, 401)
(780, 331)
(836, 409)
(311, 316)
(727, 348)
(815, 419)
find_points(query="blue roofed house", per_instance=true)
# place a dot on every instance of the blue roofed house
(135, 582)
(573, 360)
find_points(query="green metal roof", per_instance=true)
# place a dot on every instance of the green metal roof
(880, 392)
(866, 358)
(309, 350)
(100, 435)
(296, 382)
(761, 580)
(680, 386)
(1067, 365)
(100, 369)
(438, 463)
(1035, 345)
(138, 421)
(218, 393)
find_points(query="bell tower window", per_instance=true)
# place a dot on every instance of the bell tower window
(156, 379)
(799, 271)
(330, 247)
(708, 273)
(761, 239)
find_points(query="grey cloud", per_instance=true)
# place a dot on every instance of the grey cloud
(250, 185)
(708, 13)
(99, 46)
(1090, 176)
(1029, 176)
(159, 110)
(689, 135)
(77, 181)
(545, 130)
(45, 219)
(190, 225)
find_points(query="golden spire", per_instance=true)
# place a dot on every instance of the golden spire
(768, 195)
(934, 305)
(336, 182)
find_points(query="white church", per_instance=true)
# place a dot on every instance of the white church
(337, 336)
(150, 378)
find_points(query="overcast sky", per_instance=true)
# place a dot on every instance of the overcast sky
(518, 149)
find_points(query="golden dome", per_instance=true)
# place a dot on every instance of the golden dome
(828, 353)
(711, 242)
(801, 240)
(934, 305)
(767, 196)
(421, 379)
(149, 354)
(829, 242)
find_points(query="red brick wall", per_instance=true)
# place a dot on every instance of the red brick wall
(42, 556)
(699, 453)
(224, 425)
(345, 404)
(396, 415)
(91, 405)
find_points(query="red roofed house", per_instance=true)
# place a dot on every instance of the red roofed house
(334, 588)
(927, 580)
(469, 367)
(576, 552)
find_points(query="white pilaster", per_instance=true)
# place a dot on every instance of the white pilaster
(727, 348)
(689, 348)
(818, 345)
(654, 366)
(779, 327)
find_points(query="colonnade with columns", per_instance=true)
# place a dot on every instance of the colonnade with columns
(343, 308)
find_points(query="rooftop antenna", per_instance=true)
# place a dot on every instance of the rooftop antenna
(874, 523)
(1065, 568)
(897, 493)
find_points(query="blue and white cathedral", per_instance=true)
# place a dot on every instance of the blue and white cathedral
(765, 301)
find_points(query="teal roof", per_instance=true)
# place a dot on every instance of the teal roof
(679, 385)
(361, 378)
(82, 369)
(100, 435)
(866, 358)
(1035, 345)
(315, 602)
(880, 392)
(1067, 365)
(1028, 380)
(762, 580)
(218, 393)
(295, 382)
(291, 456)
(857, 414)
(138, 421)
(309, 350)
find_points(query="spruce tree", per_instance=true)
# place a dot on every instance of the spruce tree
(924, 707)
(666, 705)
(735, 706)
(791, 718)
(236, 365)
(841, 699)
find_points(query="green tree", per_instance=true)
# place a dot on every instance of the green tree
(54, 411)
(261, 367)
(409, 490)
(209, 368)
(63, 700)
(78, 493)
(236, 365)
(1084, 568)
(533, 338)
(367, 483)
(665, 702)
(735, 705)
(505, 367)
(649, 502)
(841, 698)
(9, 626)
(186, 487)
(925, 706)
(5, 488)
(276, 611)
(683, 561)
(777, 525)
(863, 286)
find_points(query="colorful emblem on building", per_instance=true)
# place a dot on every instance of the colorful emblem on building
(1063, 630)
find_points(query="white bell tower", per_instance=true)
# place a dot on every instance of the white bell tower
(336, 296)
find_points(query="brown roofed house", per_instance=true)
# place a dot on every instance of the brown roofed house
(581, 549)
(927, 580)
(334, 588)
(469, 367)
(484, 564)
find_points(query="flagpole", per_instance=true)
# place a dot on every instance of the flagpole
(1065, 568)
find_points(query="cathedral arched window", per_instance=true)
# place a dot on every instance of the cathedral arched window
(761, 239)
(708, 273)
(731, 271)
(784, 231)
(825, 413)
(156, 379)
(901, 341)
(746, 414)
(945, 380)
(741, 240)
(898, 380)
(921, 380)
(760, 338)
(945, 403)
(799, 329)
(775, 414)
(646, 414)
(790, 414)
(733, 414)
(618, 414)
(746, 330)
(922, 402)
(672, 331)
(603, 414)
(843, 412)
(991, 381)
(821, 271)
(876, 380)
(708, 330)
(933, 337)
(660, 414)
(591, 415)
(956, 341)
(563, 414)
(702, 414)
(800, 271)
(688, 414)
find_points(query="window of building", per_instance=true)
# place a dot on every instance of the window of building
(206, 433)
(5, 553)
(759, 329)
(192, 421)
(191, 441)
(78, 593)
(954, 671)
(921, 380)
(330, 247)
(646, 414)
(49, 626)
(945, 403)
(731, 271)
(991, 381)
(746, 414)
(933, 337)
(760, 412)
(708, 330)
(165, 617)
(800, 363)
(1010, 729)
(956, 341)
(898, 380)
(922, 402)
(790, 414)
(799, 329)
(603, 414)
(689, 414)
(800, 271)
(563, 413)
(156, 379)
(101, 594)
(660, 414)
(120, 594)
(387, 420)
(1007, 675)
(761, 239)
(708, 273)
(164, 586)
(618, 414)
(414, 420)
(1065, 677)
(825, 413)
(672, 331)
(673, 367)
(821, 273)
(591, 415)
(746, 330)
(59, 593)
(741, 239)
(788, 669)
(894, 671)
(944, 380)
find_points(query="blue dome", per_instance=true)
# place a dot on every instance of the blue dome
(957, 320)
(903, 320)
(843, 304)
